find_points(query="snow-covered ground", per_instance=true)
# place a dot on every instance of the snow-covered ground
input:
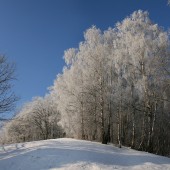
(74, 154)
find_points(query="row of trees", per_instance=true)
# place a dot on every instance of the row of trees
(115, 86)
(36, 120)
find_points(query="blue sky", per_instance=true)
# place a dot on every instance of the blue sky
(35, 33)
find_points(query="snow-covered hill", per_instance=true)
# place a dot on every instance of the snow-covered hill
(76, 155)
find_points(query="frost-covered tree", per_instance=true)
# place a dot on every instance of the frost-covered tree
(82, 89)
(144, 47)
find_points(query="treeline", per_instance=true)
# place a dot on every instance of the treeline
(37, 120)
(115, 88)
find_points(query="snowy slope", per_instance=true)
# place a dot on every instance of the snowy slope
(76, 155)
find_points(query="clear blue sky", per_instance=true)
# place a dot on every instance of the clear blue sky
(35, 33)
